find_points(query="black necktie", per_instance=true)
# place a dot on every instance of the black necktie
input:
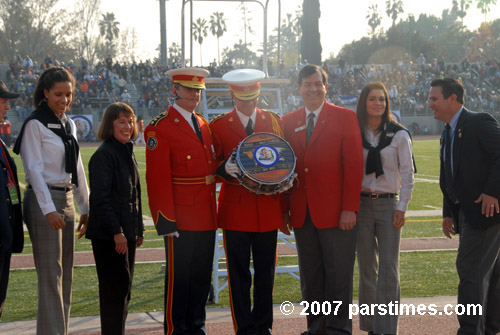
(310, 126)
(249, 127)
(450, 189)
(196, 127)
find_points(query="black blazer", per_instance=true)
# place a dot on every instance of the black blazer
(12, 240)
(476, 167)
(114, 190)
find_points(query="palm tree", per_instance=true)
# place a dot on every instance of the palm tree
(374, 18)
(393, 9)
(484, 6)
(200, 31)
(108, 27)
(218, 28)
(461, 7)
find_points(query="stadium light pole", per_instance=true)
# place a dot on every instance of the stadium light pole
(163, 34)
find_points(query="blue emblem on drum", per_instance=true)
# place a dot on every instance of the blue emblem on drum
(266, 155)
(152, 143)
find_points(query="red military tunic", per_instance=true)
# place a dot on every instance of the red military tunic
(240, 209)
(180, 174)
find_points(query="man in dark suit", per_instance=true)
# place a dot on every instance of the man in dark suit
(470, 182)
(11, 223)
(323, 204)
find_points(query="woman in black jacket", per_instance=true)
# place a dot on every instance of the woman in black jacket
(115, 221)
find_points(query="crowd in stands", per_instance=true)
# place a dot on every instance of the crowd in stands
(408, 83)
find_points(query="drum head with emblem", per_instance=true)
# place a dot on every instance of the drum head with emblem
(265, 159)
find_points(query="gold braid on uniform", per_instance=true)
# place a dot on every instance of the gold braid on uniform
(276, 126)
(206, 122)
(158, 118)
(218, 117)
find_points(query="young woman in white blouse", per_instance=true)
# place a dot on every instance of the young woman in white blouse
(54, 173)
(388, 170)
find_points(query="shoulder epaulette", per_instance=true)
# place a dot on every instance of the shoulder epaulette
(158, 118)
(218, 117)
(276, 115)
(202, 117)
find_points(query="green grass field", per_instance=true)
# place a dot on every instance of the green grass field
(422, 273)
(426, 194)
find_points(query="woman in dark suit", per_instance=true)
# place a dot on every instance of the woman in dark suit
(115, 221)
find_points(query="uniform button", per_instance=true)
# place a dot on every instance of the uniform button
(306, 170)
(209, 162)
(188, 157)
(204, 145)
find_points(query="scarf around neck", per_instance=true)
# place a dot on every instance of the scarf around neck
(50, 120)
(374, 160)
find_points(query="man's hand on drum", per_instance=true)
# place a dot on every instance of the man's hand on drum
(232, 169)
(289, 185)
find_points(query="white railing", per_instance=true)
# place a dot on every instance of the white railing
(220, 274)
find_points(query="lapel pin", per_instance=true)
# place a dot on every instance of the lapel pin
(299, 123)
(230, 119)
(176, 120)
(459, 133)
(263, 117)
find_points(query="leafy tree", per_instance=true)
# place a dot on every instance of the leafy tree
(31, 27)
(240, 54)
(200, 31)
(85, 38)
(174, 53)
(460, 7)
(393, 9)
(290, 32)
(484, 42)
(109, 29)
(218, 28)
(310, 42)
(127, 45)
(484, 6)
(374, 18)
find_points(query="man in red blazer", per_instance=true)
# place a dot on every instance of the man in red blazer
(323, 204)
(250, 221)
(180, 176)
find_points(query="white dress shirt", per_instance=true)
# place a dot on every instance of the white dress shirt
(244, 119)
(186, 115)
(398, 168)
(43, 156)
(315, 112)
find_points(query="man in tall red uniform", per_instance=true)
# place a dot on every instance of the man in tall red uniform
(323, 204)
(250, 221)
(180, 169)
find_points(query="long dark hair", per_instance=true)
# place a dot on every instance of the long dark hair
(361, 107)
(48, 79)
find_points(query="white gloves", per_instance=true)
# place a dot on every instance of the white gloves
(172, 234)
(232, 169)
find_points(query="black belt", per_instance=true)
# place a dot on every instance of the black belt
(55, 188)
(378, 195)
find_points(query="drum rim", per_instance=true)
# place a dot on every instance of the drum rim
(258, 180)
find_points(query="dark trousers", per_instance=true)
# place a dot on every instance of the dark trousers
(115, 273)
(478, 267)
(4, 277)
(187, 281)
(238, 245)
(326, 264)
